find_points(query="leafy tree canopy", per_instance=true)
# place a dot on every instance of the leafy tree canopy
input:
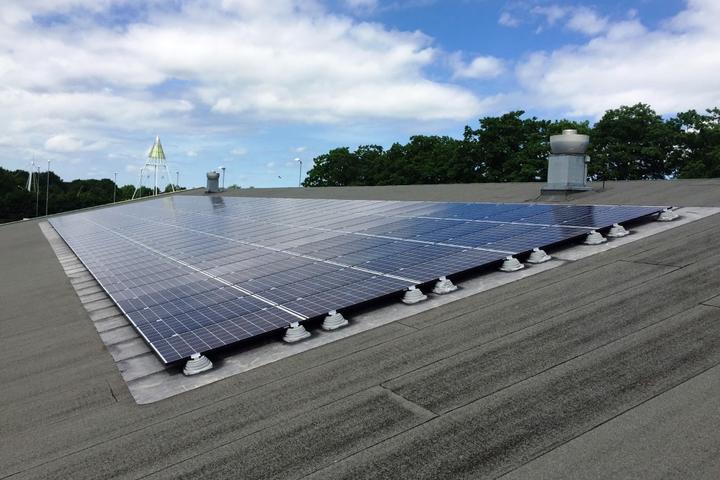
(17, 203)
(627, 143)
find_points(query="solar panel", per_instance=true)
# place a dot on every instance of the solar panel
(196, 273)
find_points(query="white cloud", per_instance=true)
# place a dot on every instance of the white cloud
(508, 20)
(133, 168)
(299, 149)
(552, 13)
(479, 67)
(191, 153)
(18, 12)
(673, 68)
(64, 143)
(587, 21)
(362, 5)
(580, 19)
(268, 60)
(28, 110)
(239, 151)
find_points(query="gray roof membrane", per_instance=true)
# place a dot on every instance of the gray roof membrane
(604, 367)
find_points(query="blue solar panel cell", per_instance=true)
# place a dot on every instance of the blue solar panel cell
(196, 273)
(347, 295)
(457, 262)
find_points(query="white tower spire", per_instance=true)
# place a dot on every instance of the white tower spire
(33, 182)
(155, 161)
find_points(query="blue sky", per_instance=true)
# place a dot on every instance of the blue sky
(251, 84)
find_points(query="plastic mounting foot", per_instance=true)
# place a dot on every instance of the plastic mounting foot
(617, 231)
(295, 333)
(413, 295)
(538, 256)
(333, 321)
(667, 215)
(511, 264)
(198, 363)
(444, 285)
(594, 238)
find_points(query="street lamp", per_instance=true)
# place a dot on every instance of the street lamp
(177, 180)
(223, 178)
(300, 173)
(114, 186)
(37, 193)
(47, 189)
(30, 177)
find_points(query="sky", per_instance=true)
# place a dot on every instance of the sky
(252, 85)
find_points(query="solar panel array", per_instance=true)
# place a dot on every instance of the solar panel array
(196, 273)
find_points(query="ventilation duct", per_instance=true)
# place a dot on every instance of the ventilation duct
(567, 164)
(213, 179)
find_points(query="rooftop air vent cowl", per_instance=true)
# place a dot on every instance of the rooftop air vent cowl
(212, 182)
(569, 143)
(567, 163)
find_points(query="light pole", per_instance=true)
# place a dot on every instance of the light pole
(47, 189)
(223, 178)
(114, 186)
(30, 177)
(299, 174)
(177, 180)
(37, 192)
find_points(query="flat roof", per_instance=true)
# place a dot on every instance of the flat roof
(604, 367)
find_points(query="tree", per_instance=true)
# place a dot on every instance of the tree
(432, 159)
(697, 151)
(369, 165)
(125, 192)
(389, 168)
(338, 167)
(425, 159)
(632, 143)
(511, 149)
(15, 202)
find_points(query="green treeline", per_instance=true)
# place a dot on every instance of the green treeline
(17, 203)
(627, 143)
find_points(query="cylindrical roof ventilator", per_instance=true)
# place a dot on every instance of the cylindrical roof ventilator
(567, 164)
(213, 182)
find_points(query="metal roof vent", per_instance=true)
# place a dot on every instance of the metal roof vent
(213, 182)
(567, 164)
